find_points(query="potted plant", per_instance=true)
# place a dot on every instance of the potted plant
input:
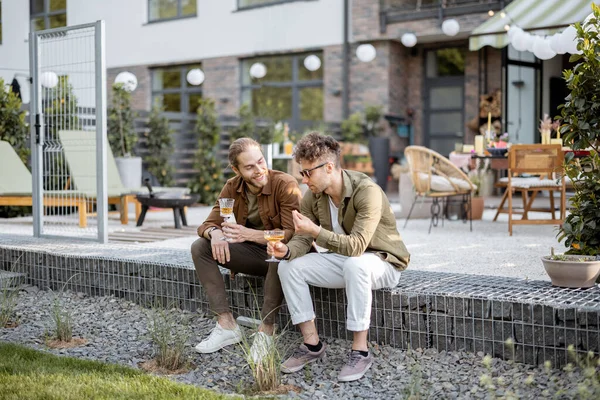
(122, 137)
(580, 129)
(379, 146)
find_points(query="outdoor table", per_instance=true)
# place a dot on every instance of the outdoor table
(178, 205)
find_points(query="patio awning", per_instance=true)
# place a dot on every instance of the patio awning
(543, 17)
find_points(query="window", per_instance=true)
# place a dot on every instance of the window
(446, 62)
(159, 10)
(288, 91)
(48, 14)
(171, 89)
(260, 3)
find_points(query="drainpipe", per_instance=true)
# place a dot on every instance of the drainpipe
(345, 67)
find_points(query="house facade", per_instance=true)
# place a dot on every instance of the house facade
(433, 87)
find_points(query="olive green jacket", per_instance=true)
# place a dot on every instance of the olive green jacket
(366, 216)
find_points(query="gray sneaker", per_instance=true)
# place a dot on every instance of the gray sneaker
(356, 367)
(300, 358)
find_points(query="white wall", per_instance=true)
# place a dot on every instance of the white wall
(217, 30)
(14, 50)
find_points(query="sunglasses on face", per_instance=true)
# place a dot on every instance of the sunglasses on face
(305, 173)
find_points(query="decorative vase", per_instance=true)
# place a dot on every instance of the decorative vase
(574, 272)
(379, 147)
(477, 207)
(130, 171)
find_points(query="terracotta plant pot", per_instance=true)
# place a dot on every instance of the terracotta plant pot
(477, 207)
(572, 273)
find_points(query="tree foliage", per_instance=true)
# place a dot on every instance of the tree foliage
(581, 130)
(121, 129)
(210, 178)
(160, 147)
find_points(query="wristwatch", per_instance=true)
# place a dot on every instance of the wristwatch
(209, 231)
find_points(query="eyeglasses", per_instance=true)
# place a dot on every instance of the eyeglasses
(305, 173)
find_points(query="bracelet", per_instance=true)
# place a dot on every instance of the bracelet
(287, 255)
(209, 232)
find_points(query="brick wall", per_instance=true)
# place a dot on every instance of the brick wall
(222, 83)
(333, 84)
(141, 97)
(472, 91)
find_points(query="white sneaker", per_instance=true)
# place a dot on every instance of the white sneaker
(261, 346)
(219, 338)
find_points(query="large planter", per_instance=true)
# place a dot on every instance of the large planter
(477, 206)
(130, 171)
(379, 147)
(572, 273)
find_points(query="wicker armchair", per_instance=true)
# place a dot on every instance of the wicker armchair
(436, 178)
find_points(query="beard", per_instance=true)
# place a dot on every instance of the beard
(257, 184)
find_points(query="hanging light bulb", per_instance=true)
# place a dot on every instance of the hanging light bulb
(409, 39)
(195, 77)
(312, 62)
(491, 13)
(258, 70)
(450, 27)
(49, 79)
(128, 80)
(366, 52)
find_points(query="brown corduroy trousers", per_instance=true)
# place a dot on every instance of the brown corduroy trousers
(246, 258)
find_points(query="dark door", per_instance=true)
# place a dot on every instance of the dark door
(444, 99)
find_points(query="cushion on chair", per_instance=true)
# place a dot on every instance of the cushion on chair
(442, 184)
(533, 182)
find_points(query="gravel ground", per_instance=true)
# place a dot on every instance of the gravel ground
(117, 332)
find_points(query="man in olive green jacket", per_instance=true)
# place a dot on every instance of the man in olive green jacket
(350, 217)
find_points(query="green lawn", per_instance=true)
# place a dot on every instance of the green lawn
(31, 374)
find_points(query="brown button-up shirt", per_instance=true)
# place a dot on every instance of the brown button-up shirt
(276, 201)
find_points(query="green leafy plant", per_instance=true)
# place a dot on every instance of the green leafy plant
(373, 116)
(9, 291)
(246, 126)
(14, 130)
(121, 130)
(210, 179)
(160, 147)
(581, 130)
(352, 129)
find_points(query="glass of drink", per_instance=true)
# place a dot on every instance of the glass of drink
(274, 236)
(226, 209)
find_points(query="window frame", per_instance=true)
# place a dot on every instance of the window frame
(296, 85)
(269, 3)
(0, 21)
(46, 14)
(183, 90)
(179, 13)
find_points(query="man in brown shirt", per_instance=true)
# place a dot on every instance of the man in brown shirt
(264, 199)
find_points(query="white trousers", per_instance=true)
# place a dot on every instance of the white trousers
(357, 275)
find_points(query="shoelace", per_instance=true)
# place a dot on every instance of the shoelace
(354, 358)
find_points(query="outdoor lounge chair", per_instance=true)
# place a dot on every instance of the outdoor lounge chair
(435, 177)
(79, 148)
(16, 186)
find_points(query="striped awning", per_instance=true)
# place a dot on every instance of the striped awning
(543, 17)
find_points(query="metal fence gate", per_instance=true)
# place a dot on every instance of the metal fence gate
(68, 132)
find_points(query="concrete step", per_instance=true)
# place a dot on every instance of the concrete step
(11, 279)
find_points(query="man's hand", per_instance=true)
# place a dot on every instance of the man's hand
(220, 247)
(303, 225)
(279, 249)
(237, 233)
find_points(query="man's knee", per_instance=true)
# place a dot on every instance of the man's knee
(355, 266)
(285, 269)
(200, 247)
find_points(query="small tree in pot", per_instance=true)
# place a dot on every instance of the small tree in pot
(122, 137)
(581, 130)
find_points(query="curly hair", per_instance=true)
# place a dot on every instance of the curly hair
(315, 146)
(239, 146)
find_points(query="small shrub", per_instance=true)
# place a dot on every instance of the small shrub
(169, 339)
(63, 321)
